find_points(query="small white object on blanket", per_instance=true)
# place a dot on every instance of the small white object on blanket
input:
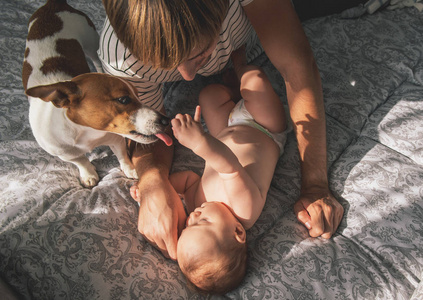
(395, 4)
(372, 6)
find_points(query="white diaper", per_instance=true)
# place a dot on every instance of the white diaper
(241, 116)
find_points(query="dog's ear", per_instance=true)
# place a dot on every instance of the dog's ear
(61, 94)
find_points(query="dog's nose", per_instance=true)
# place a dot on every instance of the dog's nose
(164, 121)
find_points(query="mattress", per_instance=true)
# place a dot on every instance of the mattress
(59, 240)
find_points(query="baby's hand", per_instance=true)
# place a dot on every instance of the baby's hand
(188, 131)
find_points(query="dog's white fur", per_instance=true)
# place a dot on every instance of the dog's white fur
(69, 141)
(70, 116)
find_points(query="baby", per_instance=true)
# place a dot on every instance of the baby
(240, 158)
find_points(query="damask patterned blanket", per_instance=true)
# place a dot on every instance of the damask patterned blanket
(59, 240)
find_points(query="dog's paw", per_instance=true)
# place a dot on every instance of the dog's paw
(87, 173)
(89, 180)
(129, 171)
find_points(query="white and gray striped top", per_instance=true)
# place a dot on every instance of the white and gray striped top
(117, 60)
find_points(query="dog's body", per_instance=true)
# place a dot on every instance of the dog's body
(87, 109)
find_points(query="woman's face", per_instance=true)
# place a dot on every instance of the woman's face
(198, 59)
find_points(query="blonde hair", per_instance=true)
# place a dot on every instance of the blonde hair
(163, 33)
(208, 275)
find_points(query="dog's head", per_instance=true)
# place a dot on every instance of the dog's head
(107, 103)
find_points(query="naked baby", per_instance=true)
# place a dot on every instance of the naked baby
(241, 150)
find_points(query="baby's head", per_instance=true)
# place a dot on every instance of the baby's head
(212, 249)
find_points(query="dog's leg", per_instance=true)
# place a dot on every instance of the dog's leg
(90, 43)
(87, 172)
(119, 149)
(92, 54)
(91, 51)
(96, 62)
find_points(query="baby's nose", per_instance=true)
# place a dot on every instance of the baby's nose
(196, 213)
(194, 216)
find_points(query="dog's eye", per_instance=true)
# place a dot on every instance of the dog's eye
(124, 100)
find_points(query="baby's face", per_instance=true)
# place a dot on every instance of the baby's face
(207, 228)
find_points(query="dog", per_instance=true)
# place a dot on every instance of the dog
(71, 110)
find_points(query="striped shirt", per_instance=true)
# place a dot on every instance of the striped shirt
(117, 60)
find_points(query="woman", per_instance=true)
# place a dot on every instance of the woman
(154, 41)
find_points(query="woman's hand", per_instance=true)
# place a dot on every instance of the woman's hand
(161, 215)
(320, 213)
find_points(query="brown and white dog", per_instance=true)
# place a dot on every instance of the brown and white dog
(71, 110)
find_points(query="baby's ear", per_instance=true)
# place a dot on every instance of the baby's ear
(240, 234)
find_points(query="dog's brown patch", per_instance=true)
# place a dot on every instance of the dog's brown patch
(44, 27)
(71, 60)
(26, 72)
(47, 22)
(101, 90)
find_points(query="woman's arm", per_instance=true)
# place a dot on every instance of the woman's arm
(161, 216)
(285, 43)
(161, 213)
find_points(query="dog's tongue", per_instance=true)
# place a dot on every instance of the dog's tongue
(165, 138)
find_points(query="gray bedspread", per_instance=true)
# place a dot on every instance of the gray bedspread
(59, 240)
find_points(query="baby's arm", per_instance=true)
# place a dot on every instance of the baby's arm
(190, 133)
(186, 183)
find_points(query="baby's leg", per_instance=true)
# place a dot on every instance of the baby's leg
(216, 104)
(261, 99)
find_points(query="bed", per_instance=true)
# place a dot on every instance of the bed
(59, 240)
